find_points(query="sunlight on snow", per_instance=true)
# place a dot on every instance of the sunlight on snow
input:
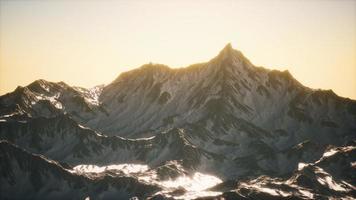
(198, 182)
(330, 153)
(194, 186)
(301, 166)
(125, 168)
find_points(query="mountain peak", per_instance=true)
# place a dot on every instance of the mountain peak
(228, 46)
(226, 50)
(230, 55)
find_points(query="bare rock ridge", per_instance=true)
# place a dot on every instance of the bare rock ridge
(251, 132)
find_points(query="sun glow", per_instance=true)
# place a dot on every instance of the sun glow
(87, 43)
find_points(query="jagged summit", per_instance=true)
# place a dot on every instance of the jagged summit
(229, 56)
(228, 47)
(226, 52)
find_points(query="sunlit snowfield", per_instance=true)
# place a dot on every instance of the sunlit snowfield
(194, 186)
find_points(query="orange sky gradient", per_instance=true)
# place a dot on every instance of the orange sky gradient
(86, 43)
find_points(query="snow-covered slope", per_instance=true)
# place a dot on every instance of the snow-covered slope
(62, 139)
(219, 92)
(331, 177)
(46, 99)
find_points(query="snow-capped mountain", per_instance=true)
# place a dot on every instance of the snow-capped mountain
(250, 127)
(45, 99)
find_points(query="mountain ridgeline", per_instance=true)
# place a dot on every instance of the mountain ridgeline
(259, 134)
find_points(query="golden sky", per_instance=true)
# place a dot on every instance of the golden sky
(87, 42)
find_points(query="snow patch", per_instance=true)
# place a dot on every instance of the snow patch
(330, 153)
(53, 99)
(301, 166)
(327, 180)
(125, 168)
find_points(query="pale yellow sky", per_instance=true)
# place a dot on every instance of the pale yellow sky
(86, 43)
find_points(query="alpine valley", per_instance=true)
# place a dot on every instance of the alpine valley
(224, 129)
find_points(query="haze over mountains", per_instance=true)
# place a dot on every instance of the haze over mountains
(224, 129)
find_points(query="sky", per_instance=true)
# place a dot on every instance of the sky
(86, 42)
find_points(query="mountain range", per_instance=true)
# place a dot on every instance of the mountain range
(223, 129)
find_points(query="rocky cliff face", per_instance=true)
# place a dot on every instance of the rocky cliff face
(225, 117)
